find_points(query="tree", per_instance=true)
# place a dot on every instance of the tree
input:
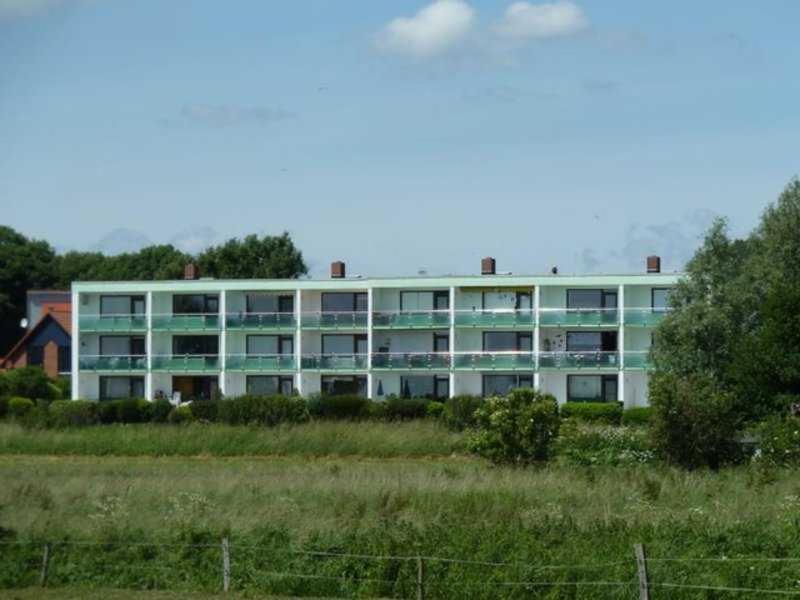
(269, 257)
(25, 264)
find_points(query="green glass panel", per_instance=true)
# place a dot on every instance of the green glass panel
(411, 360)
(643, 317)
(578, 317)
(112, 363)
(411, 320)
(186, 322)
(335, 320)
(272, 362)
(260, 321)
(112, 323)
(335, 362)
(185, 363)
(488, 318)
(637, 360)
(578, 360)
(495, 361)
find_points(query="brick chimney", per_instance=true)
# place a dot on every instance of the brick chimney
(191, 271)
(337, 270)
(488, 266)
(654, 264)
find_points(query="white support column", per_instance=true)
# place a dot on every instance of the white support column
(452, 341)
(148, 346)
(370, 301)
(223, 338)
(621, 343)
(298, 340)
(536, 378)
(76, 344)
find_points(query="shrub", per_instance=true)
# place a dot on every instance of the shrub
(405, 408)
(31, 382)
(779, 441)
(695, 424)
(459, 411)
(607, 413)
(19, 407)
(378, 410)
(64, 384)
(516, 429)
(159, 411)
(206, 410)
(180, 414)
(637, 416)
(107, 411)
(132, 410)
(584, 444)
(339, 407)
(434, 409)
(70, 413)
(3, 406)
(263, 410)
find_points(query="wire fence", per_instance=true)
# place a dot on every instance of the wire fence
(225, 565)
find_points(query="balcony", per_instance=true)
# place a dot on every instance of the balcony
(638, 360)
(579, 360)
(422, 319)
(260, 362)
(185, 363)
(579, 317)
(495, 318)
(494, 361)
(334, 320)
(260, 321)
(112, 363)
(186, 322)
(335, 362)
(411, 360)
(643, 317)
(112, 323)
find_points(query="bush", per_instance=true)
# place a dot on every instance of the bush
(30, 382)
(516, 429)
(3, 406)
(584, 444)
(159, 411)
(607, 413)
(695, 424)
(637, 416)
(64, 384)
(434, 409)
(339, 407)
(779, 441)
(206, 410)
(19, 407)
(398, 409)
(180, 414)
(107, 411)
(71, 413)
(459, 411)
(132, 410)
(263, 410)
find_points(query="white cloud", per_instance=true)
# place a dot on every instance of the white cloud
(435, 29)
(15, 9)
(523, 20)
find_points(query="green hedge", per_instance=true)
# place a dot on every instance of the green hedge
(637, 416)
(459, 411)
(608, 413)
(19, 407)
(71, 413)
(340, 407)
(261, 410)
(405, 408)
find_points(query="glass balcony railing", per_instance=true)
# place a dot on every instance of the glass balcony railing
(494, 360)
(106, 323)
(411, 360)
(112, 363)
(335, 362)
(578, 317)
(190, 322)
(334, 320)
(579, 360)
(260, 362)
(638, 360)
(260, 321)
(419, 319)
(643, 317)
(495, 318)
(186, 362)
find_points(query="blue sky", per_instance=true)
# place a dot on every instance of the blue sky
(398, 135)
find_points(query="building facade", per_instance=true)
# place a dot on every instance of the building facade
(580, 338)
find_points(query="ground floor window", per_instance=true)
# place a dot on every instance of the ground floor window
(268, 385)
(194, 387)
(500, 385)
(117, 388)
(425, 386)
(592, 388)
(339, 385)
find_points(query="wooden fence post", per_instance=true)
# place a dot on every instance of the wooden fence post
(641, 567)
(45, 565)
(420, 579)
(226, 565)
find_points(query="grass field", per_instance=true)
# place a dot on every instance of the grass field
(427, 501)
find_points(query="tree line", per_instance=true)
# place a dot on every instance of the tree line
(27, 264)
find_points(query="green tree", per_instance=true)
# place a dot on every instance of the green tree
(25, 264)
(268, 257)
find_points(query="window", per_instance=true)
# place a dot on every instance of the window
(344, 344)
(270, 344)
(122, 345)
(591, 388)
(268, 385)
(441, 300)
(337, 385)
(35, 356)
(506, 341)
(195, 344)
(192, 304)
(591, 341)
(344, 302)
(115, 388)
(441, 342)
(424, 386)
(122, 305)
(500, 385)
(581, 298)
(424, 301)
(659, 299)
(258, 302)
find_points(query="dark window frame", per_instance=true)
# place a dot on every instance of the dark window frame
(653, 298)
(519, 334)
(355, 379)
(517, 295)
(130, 339)
(281, 299)
(356, 338)
(354, 308)
(604, 381)
(439, 336)
(206, 299)
(519, 377)
(434, 295)
(604, 295)
(175, 339)
(131, 299)
(436, 380)
(604, 336)
(281, 339)
(281, 380)
(131, 379)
